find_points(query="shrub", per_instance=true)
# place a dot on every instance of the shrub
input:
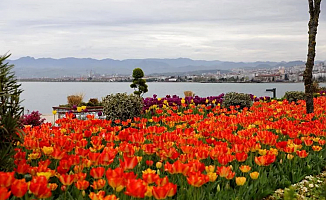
(93, 102)
(189, 94)
(34, 119)
(237, 99)
(10, 112)
(75, 100)
(122, 106)
(294, 96)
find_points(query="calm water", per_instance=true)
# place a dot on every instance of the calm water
(42, 96)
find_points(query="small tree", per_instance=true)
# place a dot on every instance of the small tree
(10, 112)
(314, 10)
(138, 83)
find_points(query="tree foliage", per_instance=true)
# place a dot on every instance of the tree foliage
(138, 83)
(314, 10)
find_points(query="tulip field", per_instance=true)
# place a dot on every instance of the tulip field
(184, 151)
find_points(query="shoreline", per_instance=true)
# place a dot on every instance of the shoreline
(49, 118)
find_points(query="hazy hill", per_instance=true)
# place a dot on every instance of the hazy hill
(29, 67)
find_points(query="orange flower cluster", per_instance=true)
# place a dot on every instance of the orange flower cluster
(194, 146)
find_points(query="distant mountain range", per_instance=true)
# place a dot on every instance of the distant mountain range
(29, 67)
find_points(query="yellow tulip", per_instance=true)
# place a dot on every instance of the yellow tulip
(212, 176)
(289, 156)
(159, 165)
(254, 175)
(47, 150)
(262, 152)
(83, 107)
(149, 192)
(149, 171)
(79, 109)
(210, 168)
(240, 180)
(245, 168)
(46, 174)
(54, 112)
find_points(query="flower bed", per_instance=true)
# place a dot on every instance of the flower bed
(193, 152)
(175, 100)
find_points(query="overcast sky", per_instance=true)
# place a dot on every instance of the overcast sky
(227, 30)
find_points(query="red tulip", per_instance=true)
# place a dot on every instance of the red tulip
(4, 194)
(241, 157)
(162, 192)
(6, 179)
(38, 186)
(136, 188)
(19, 188)
(128, 163)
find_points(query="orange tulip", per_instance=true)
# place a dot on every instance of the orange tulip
(82, 184)
(316, 148)
(150, 177)
(224, 171)
(162, 181)
(111, 197)
(160, 192)
(66, 179)
(19, 188)
(52, 186)
(97, 196)
(302, 153)
(308, 142)
(98, 184)
(265, 160)
(80, 176)
(117, 183)
(177, 168)
(97, 172)
(197, 179)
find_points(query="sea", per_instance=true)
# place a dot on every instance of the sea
(42, 96)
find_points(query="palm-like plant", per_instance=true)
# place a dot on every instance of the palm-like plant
(10, 109)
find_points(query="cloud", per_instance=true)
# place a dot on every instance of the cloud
(239, 30)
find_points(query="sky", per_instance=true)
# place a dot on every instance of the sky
(226, 30)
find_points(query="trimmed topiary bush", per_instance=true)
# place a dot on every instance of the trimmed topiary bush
(294, 96)
(138, 83)
(122, 106)
(237, 99)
